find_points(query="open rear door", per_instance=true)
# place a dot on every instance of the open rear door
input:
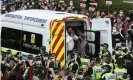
(93, 39)
(57, 44)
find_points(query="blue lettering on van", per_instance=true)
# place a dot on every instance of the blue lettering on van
(26, 18)
(13, 16)
(34, 19)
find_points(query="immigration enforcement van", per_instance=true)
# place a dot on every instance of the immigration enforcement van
(28, 30)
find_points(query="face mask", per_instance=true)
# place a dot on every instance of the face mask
(117, 52)
(52, 3)
(101, 48)
(75, 12)
(121, 13)
(4, 8)
(27, 3)
(33, 3)
(114, 30)
(30, 61)
(104, 70)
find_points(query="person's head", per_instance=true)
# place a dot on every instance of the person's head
(82, 37)
(11, 63)
(121, 13)
(128, 20)
(3, 8)
(98, 13)
(119, 51)
(108, 58)
(105, 46)
(114, 30)
(128, 58)
(69, 29)
(106, 68)
(12, 8)
(98, 60)
(43, 49)
(9, 52)
(115, 13)
(30, 59)
(61, 73)
(103, 13)
(132, 26)
(38, 61)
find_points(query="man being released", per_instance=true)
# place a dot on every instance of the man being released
(82, 46)
(69, 45)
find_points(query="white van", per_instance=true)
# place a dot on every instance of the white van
(27, 30)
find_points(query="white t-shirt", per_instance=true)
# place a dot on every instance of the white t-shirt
(69, 43)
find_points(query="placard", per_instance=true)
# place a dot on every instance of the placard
(109, 3)
(32, 38)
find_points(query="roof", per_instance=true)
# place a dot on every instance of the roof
(41, 15)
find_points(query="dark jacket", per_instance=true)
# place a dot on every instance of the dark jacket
(129, 68)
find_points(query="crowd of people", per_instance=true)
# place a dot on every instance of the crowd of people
(116, 65)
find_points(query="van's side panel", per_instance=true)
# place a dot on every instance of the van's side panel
(11, 25)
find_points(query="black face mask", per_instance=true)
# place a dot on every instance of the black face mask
(69, 33)
(112, 19)
(125, 50)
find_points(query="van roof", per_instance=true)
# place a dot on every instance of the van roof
(47, 15)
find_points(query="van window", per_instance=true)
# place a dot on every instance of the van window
(31, 42)
(10, 38)
(21, 40)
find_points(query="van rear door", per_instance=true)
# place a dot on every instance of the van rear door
(93, 39)
(104, 26)
(57, 44)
